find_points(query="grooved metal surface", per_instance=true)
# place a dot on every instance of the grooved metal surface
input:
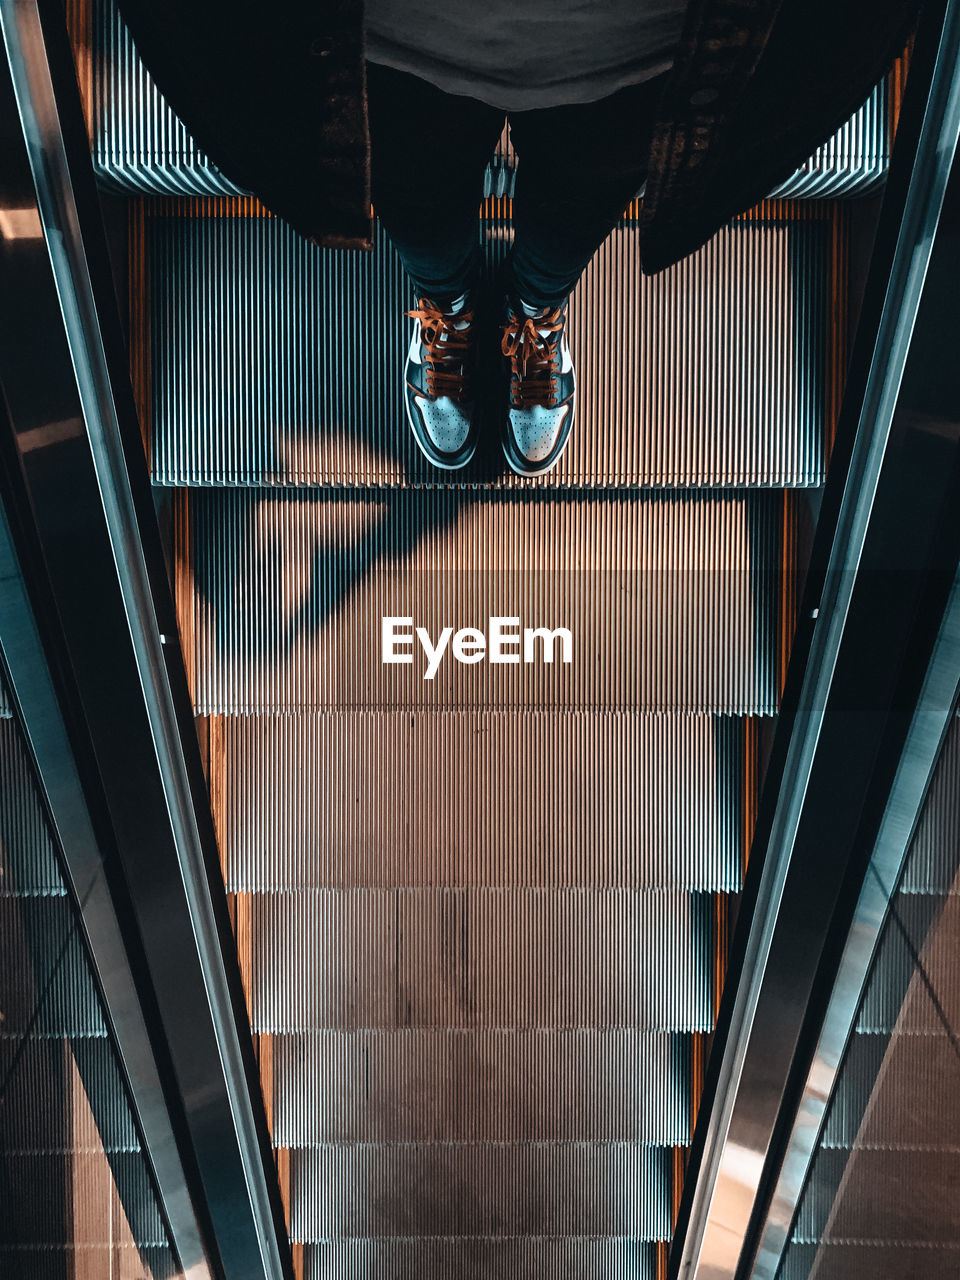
(481, 958)
(481, 1189)
(817, 1201)
(893, 966)
(38, 1127)
(522, 1258)
(70, 1005)
(33, 1262)
(140, 145)
(854, 161)
(912, 1115)
(93, 1185)
(856, 1081)
(869, 1260)
(275, 362)
(97, 1069)
(880, 1197)
(487, 1085)
(671, 600)
(331, 800)
(30, 864)
(932, 865)
(77, 1196)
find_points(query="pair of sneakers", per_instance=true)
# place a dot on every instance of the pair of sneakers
(536, 387)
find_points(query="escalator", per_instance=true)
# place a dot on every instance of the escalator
(413, 972)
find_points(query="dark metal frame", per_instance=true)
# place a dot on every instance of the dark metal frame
(873, 679)
(89, 640)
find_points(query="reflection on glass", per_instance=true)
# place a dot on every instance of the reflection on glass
(76, 1196)
(881, 1200)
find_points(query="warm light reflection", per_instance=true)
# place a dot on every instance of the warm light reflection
(20, 224)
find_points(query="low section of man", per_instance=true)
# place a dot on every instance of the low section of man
(579, 84)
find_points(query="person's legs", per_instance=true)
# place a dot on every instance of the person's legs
(579, 167)
(428, 152)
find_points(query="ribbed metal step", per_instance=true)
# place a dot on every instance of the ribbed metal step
(855, 1224)
(486, 1063)
(883, 1000)
(931, 866)
(524, 1258)
(386, 798)
(78, 1195)
(90, 1176)
(861, 1207)
(901, 1123)
(880, 1196)
(30, 862)
(868, 1260)
(864, 1056)
(35, 1262)
(482, 958)
(44, 1128)
(141, 146)
(483, 1189)
(674, 602)
(70, 1006)
(903, 1128)
(466, 1086)
(277, 363)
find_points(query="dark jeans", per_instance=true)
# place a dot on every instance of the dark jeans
(579, 166)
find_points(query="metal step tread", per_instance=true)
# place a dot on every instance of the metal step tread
(492, 1085)
(367, 799)
(435, 958)
(528, 1257)
(674, 602)
(273, 362)
(481, 1190)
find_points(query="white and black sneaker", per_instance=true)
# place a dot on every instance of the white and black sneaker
(440, 380)
(541, 386)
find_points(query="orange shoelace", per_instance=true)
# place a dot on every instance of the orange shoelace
(534, 354)
(447, 340)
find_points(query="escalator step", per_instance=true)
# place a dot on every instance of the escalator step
(62, 1095)
(673, 601)
(867, 1259)
(931, 867)
(601, 798)
(456, 958)
(481, 1190)
(80, 1185)
(28, 858)
(568, 1257)
(581, 1085)
(56, 995)
(274, 362)
(894, 967)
